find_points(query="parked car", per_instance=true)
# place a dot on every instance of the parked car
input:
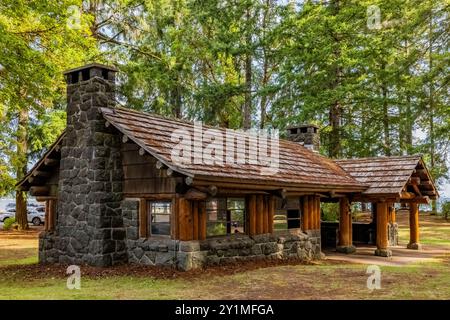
(36, 215)
(9, 213)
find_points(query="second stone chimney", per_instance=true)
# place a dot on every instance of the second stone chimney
(305, 134)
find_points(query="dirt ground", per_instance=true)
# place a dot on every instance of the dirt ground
(409, 274)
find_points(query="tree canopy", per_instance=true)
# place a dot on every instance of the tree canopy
(372, 74)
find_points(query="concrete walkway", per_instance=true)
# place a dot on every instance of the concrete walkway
(400, 255)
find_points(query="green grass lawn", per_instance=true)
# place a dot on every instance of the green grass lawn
(324, 279)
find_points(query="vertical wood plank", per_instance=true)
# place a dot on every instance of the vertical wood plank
(259, 214)
(343, 222)
(143, 220)
(195, 220)
(311, 213)
(266, 214)
(271, 213)
(306, 220)
(182, 218)
(350, 225)
(252, 214)
(174, 219)
(202, 220)
(413, 223)
(46, 219)
(382, 237)
(318, 212)
(186, 220)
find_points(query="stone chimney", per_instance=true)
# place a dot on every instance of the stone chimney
(89, 225)
(305, 134)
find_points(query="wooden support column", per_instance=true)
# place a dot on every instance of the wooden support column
(350, 225)
(186, 229)
(259, 214)
(51, 215)
(318, 212)
(202, 220)
(266, 215)
(47, 218)
(393, 215)
(143, 221)
(312, 216)
(414, 227)
(382, 230)
(252, 215)
(271, 212)
(195, 220)
(306, 219)
(174, 219)
(345, 242)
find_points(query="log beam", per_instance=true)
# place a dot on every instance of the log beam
(37, 191)
(194, 194)
(51, 162)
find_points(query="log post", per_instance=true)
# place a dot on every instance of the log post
(252, 214)
(306, 219)
(47, 218)
(318, 212)
(266, 215)
(344, 243)
(414, 227)
(186, 220)
(382, 230)
(271, 212)
(202, 220)
(51, 215)
(259, 214)
(311, 213)
(350, 225)
(394, 215)
(143, 220)
(195, 222)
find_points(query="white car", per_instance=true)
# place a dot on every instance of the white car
(36, 215)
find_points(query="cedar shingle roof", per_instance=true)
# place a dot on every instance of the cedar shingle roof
(389, 175)
(298, 166)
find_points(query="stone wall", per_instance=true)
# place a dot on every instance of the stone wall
(89, 226)
(185, 255)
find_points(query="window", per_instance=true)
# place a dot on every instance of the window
(159, 217)
(293, 219)
(225, 216)
(286, 216)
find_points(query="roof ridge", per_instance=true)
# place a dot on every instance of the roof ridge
(409, 156)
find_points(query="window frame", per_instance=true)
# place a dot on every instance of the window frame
(228, 212)
(149, 214)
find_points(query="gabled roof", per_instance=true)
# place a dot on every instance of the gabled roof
(390, 176)
(298, 166)
(44, 166)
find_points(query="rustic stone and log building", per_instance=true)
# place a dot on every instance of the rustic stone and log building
(115, 195)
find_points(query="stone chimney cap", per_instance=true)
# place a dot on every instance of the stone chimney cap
(91, 65)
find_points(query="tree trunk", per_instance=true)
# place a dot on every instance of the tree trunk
(431, 107)
(387, 138)
(335, 114)
(176, 100)
(335, 135)
(21, 169)
(248, 78)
